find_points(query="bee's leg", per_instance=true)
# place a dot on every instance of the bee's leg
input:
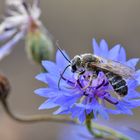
(78, 81)
(112, 92)
(90, 82)
(81, 87)
(100, 85)
(68, 81)
(80, 73)
(72, 83)
(111, 99)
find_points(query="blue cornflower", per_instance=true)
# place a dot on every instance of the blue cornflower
(73, 98)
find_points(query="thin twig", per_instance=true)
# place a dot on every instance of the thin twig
(34, 118)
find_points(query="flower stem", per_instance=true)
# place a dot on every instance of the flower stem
(101, 131)
(90, 128)
(34, 118)
(113, 133)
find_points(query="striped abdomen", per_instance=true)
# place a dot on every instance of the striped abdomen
(118, 83)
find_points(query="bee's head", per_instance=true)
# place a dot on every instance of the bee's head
(75, 63)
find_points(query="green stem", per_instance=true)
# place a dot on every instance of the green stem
(90, 128)
(113, 133)
(101, 131)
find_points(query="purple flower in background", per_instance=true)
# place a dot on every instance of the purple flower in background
(76, 97)
(81, 133)
(22, 22)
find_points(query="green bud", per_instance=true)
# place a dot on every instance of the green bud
(39, 46)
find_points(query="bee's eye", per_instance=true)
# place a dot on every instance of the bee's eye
(74, 68)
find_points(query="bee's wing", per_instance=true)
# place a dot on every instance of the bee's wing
(115, 67)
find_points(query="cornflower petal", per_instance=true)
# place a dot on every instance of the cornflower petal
(114, 52)
(7, 34)
(61, 110)
(132, 62)
(132, 94)
(51, 67)
(47, 92)
(66, 100)
(35, 12)
(48, 105)
(122, 55)
(48, 79)
(6, 49)
(103, 48)
(96, 48)
(137, 76)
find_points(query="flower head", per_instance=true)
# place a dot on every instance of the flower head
(80, 95)
(22, 22)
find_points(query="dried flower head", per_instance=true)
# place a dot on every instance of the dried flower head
(22, 22)
(4, 87)
(80, 95)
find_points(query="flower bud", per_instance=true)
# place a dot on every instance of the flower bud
(4, 87)
(39, 46)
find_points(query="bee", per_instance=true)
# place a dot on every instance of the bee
(115, 72)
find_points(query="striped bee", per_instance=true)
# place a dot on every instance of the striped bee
(115, 72)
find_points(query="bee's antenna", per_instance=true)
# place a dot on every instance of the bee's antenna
(61, 76)
(58, 46)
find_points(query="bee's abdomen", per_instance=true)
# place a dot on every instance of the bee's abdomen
(118, 83)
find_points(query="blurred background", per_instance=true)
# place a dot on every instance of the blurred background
(74, 23)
